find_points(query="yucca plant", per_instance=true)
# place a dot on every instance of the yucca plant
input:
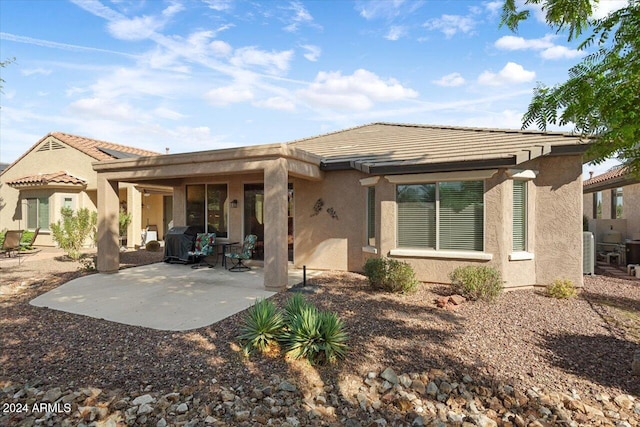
(333, 337)
(261, 327)
(303, 339)
(294, 306)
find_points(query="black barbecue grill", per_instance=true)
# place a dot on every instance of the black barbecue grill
(178, 242)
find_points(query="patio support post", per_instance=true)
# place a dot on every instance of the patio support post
(275, 230)
(134, 207)
(108, 243)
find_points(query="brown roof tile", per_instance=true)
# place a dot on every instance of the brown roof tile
(48, 178)
(613, 173)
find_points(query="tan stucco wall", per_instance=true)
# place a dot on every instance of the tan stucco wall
(587, 205)
(631, 208)
(558, 230)
(322, 242)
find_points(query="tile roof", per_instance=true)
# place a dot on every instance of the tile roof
(61, 177)
(94, 147)
(617, 176)
(383, 147)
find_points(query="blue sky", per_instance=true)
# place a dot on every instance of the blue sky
(194, 75)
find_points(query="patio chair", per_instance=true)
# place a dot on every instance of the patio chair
(204, 247)
(241, 254)
(11, 242)
(29, 245)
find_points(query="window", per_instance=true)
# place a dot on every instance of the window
(207, 207)
(441, 216)
(597, 205)
(371, 216)
(519, 216)
(616, 203)
(67, 203)
(38, 213)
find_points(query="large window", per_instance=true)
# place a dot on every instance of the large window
(38, 213)
(371, 216)
(207, 208)
(616, 203)
(519, 216)
(441, 216)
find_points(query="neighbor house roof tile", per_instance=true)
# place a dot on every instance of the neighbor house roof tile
(61, 177)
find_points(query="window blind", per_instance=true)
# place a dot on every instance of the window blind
(519, 215)
(416, 216)
(461, 222)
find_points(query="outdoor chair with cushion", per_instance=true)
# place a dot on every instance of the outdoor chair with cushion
(241, 254)
(11, 242)
(203, 249)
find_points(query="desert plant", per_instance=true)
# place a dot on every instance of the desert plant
(72, 231)
(476, 282)
(562, 289)
(309, 333)
(261, 327)
(390, 275)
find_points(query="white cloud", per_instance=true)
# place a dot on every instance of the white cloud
(561, 52)
(512, 73)
(167, 113)
(493, 7)
(276, 103)
(219, 5)
(34, 71)
(520, 43)
(450, 80)
(545, 45)
(220, 48)
(300, 16)
(142, 27)
(605, 7)
(105, 109)
(396, 32)
(229, 95)
(388, 10)
(313, 52)
(358, 91)
(450, 25)
(272, 62)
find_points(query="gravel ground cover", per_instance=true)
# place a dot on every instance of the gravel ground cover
(584, 346)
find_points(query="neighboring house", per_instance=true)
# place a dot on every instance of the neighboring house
(437, 197)
(3, 166)
(57, 172)
(612, 203)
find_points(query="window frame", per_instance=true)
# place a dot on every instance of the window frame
(371, 237)
(205, 207)
(437, 227)
(525, 216)
(39, 211)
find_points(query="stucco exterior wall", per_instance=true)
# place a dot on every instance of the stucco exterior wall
(324, 242)
(587, 205)
(558, 230)
(12, 214)
(631, 209)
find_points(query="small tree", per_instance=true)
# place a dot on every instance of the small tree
(124, 219)
(72, 232)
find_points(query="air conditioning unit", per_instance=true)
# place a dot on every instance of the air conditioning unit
(588, 253)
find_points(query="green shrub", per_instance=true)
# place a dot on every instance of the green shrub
(72, 232)
(561, 289)
(294, 307)
(390, 275)
(476, 282)
(261, 327)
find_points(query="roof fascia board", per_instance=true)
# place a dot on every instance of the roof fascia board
(442, 176)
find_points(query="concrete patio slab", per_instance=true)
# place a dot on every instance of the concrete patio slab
(161, 296)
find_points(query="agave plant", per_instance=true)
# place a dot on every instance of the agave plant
(261, 327)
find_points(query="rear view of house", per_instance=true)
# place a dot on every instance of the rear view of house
(435, 196)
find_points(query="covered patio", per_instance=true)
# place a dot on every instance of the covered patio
(162, 296)
(273, 166)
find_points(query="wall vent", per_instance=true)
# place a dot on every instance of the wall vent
(51, 145)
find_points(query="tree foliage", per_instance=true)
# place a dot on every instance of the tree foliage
(601, 97)
(2, 65)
